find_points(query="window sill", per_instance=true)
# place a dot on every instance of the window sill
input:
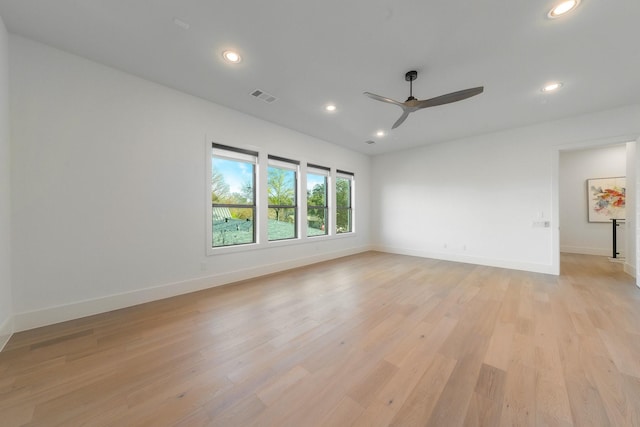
(223, 250)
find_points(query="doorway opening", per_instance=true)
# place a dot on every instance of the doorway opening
(596, 182)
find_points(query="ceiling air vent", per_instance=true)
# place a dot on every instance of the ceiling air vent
(264, 96)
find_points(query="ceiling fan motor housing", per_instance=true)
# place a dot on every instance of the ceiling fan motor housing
(411, 75)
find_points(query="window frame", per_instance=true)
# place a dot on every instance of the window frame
(349, 176)
(318, 170)
(292, 165)
(226, 152)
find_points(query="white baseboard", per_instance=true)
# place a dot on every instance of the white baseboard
(6, 330)
(585, 250)
(48, 316)
(490, 262)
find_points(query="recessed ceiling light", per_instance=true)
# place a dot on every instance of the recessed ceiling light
(552, 87)
(330, 107)
(562, 8)
(231, 56)
(380, 133)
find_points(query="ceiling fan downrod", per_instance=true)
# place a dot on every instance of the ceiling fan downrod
(410, 77)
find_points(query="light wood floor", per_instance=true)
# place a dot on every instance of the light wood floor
(369, 340)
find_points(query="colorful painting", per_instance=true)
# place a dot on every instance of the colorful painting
(606, 199)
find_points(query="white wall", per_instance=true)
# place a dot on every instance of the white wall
(476, 199)
(109, 188)
(577, 235)
(6, 327)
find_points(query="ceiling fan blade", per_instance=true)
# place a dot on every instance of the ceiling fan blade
(450, 97)
(401, 120)
(383, 99)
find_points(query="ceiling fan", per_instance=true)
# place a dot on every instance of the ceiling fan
(412, 104)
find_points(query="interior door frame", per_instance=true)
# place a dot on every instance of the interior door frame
(631, 266)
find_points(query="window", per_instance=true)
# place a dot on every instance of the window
(256, 198)
(317, 207)
(344, 202)
(233, 196)
(282, 190)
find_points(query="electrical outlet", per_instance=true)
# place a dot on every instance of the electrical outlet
(541, 224)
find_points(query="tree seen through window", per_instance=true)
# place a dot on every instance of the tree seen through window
(282, 211)
(232, 201)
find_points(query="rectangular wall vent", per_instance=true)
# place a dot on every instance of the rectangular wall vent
(264, 96)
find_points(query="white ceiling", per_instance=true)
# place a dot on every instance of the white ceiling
(308, 54)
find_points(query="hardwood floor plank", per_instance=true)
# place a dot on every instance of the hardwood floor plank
(552, 399)
(420, 403)
(18, 415)
(491, 382)
(631, 389)
(376, 415)
(412, 339)
(395, 392)
(519, 403)
(270, 393)
(482, 412)
(453, 402)
(345, 414)
(241, 413)
(197, 418)
(587, 408)
(365, 391)
(622, 349)
(500, 346)
(611, 384)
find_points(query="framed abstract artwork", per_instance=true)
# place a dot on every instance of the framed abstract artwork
(606, 199)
